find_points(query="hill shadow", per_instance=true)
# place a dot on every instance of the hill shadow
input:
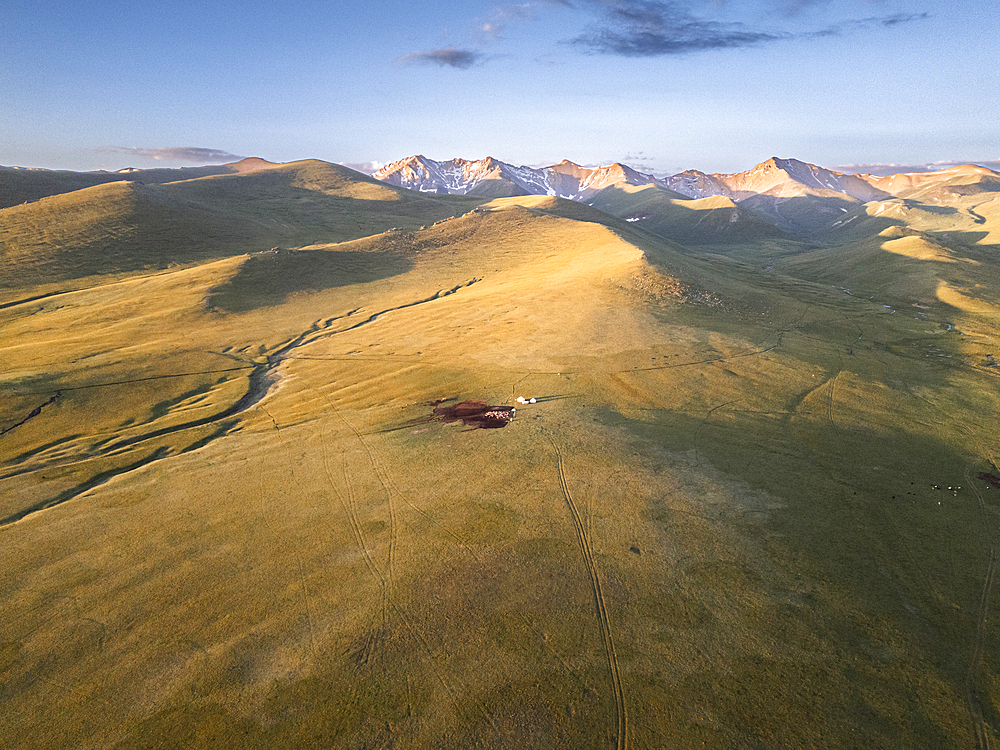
(799, 215)
(126, 226)
(703, 221)
(863, 510)
(271, 277)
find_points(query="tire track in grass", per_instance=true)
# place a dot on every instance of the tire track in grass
(362, 655)
(832, 399)
(468, 548)
(387, 488)
(387, 579)
(391, 490)
(375, 630)
(583, 537)
(454, 694)
(305, 597)
(348, 503)
(378, 633)
(276, 533)
(972, 690)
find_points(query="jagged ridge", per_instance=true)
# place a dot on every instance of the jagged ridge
(775, 177)
(492, 177)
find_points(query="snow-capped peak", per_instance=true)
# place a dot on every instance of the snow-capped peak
(776, 177)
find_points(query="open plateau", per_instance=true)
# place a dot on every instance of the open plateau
(482, 456)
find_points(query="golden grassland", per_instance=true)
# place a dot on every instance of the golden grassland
(744, 511)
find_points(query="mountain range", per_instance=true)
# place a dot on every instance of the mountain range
(791, 196)
(775, 177)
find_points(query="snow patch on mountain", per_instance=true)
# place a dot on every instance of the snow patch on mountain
(462, 177)
(777, 178)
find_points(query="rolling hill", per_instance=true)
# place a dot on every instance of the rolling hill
(736, 488)
(702, 221)
(124, 226)
(967, 179)
(25, 185)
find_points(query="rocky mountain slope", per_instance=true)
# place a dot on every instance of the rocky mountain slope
(490, 177)
(766, 187)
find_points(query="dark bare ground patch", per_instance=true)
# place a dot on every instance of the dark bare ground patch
(475, 413)
(993, 479)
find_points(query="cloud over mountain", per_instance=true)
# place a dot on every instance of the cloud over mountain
(175, 153)
(649, 28)
(882, 170)
(365, 167)
(446, 57)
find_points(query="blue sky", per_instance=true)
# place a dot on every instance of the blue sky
(716, 85)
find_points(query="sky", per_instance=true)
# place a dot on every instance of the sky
(664, 86)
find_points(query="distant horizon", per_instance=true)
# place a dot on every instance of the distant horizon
(160, 162)
(661, 85)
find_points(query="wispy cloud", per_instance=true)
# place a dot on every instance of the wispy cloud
(649, 28)
(794, 7)
(493, 28)
(487, 30)
(866, 23)
(653, 28)
(882, 170)
(191, 154)
(638, 156)
(365, 167)
(645, 28)
(447, 57)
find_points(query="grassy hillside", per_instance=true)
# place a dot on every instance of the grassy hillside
(801, 215)
(496, 189)
(26, 185)
(944, 185)
(128, 226)
(747, 508)
(704, 221)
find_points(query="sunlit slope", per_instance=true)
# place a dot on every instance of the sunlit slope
(519, 230)
(125, 226)
(26, 185)
(969, 220)
(230, 518)
(943, 185)
(204, 314)
(904, 250)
